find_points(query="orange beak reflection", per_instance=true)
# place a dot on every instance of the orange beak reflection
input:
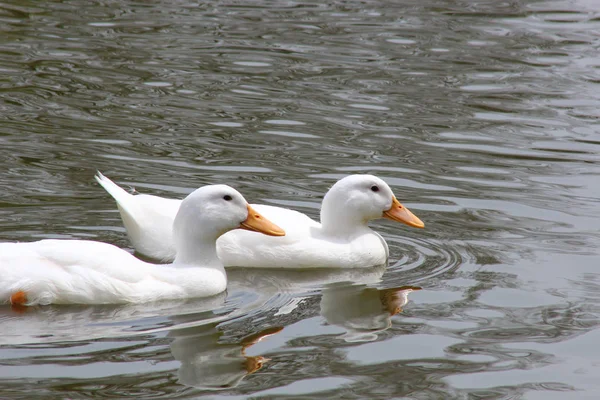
(399, 213)
(257, 223)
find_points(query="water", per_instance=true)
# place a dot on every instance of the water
(482, 116)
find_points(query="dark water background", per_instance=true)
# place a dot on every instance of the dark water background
(481, 115)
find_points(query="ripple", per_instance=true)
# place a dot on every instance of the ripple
(417, 260)
(228, 124)
(405, 347)
(503, 297)
(102, 24)
(252, 63)
(158, 84)
(175, 163)
(308, 386)
(369, 107)
(289, 134)
(283, 122)
(249, 92)
(400, 41)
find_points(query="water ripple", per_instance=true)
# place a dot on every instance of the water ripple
(481, 116)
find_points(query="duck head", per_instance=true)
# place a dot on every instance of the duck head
(357, 199)
(210, 211)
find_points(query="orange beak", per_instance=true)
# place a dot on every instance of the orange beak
(257, 223)
(399, 213)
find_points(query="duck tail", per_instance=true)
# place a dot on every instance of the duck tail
(118, 193)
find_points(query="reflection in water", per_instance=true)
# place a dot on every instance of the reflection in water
(346, 298)
(55, 333)
(53, 323)
(207, 364)
(280, 289)
(297, 280)
(361, 310)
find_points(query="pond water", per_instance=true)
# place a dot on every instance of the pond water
(482, 117)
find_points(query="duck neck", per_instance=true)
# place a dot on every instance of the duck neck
(337, 219)
(199, 252)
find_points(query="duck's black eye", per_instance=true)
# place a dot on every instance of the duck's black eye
(375, 188)
(227, 197)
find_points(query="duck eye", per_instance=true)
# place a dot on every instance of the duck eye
(227, 197)
(375, 188)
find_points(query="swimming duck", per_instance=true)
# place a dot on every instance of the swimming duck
(89, 272)
(341, 240)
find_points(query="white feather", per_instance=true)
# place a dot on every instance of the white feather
(88, 272)
(342, 239)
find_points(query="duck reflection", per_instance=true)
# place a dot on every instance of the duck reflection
(56, 323)
(208, 364)
(362, 311)
(270, 284)
(347, 299)
(191, 324)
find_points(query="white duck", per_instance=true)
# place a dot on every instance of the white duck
(342, 239)
(88, 272)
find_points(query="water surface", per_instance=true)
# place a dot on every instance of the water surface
(482, 116)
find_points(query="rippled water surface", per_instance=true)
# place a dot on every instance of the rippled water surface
(482, 116)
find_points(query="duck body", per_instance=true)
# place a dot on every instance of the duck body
(89, 272)
(57, 271)
(341, 240)
(306, 245)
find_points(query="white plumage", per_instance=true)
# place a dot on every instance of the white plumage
(89, 272)
(342, 239)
